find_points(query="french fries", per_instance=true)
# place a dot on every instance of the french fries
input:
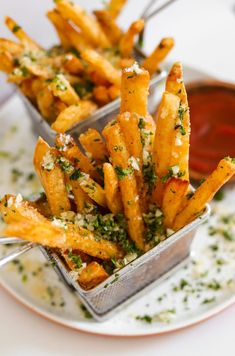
(83, 70)
(125, 193)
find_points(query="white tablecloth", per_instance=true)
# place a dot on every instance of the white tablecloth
(204, 31)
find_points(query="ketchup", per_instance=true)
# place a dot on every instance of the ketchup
(212, 114)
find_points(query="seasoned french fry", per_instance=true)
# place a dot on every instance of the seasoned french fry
(152, 62)
(52, 178)
(109, 25)
(101, 95)
(45, 102)
(67, 146)
(180, 149)
(166, 118)
(72, 256)
(27, 223)
(134, 90)
(174, 193)
(111, 188)
(61, 88)
(73, 64)
(115, 7)
(130, 198)
(12, 47)
(6, 62)
(81, 198)
(205, 192)
(73, 115)
(92, 142)
(42, 206)
(21, 35)
(69, 37)
(127, 41)
(92, 275)
(89, 186)
(104, 68)
(88, 25)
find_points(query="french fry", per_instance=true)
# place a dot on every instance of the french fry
(12, 47)
(134, 90)
(205, 192)
(69, 37)
(89, 26)
(166, 118)
(45, 101)
(175, 85)
(109, 26)
(174, 193)
(62, 89)
(67, 146)
(111, 188)
(6, 62)
(90, 187)
(72, 115)
(152, 62)
(26, 223)
(42, 206)
(101, 95)
(127, 41)
(21, 35)
(104, 68)
(52, 178)
(115, 7)
(68, 256)
(81, 198)
(92, 142)
(73, 64)
(129, 192)
(92, 275)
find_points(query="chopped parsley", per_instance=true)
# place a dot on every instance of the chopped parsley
(219, 195)
(16, 28)
(76, 259)
(149, 175)
(141, 123)
(155, 230)
(172, 172)
(76, 174)
(122, 173)
(147, 318)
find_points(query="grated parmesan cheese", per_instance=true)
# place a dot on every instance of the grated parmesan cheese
(134, 68)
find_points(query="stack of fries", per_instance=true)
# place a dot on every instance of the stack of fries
(125, 193)
(71, 80)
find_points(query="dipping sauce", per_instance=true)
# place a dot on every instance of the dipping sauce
(212, 113)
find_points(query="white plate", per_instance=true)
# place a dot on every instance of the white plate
(194, 293)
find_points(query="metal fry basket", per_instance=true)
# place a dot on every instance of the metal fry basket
(137, 277)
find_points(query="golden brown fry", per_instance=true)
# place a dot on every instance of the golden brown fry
(114, 92)
(92, 275)
(81, 198)
(130, 198)
(61, 88)
(174, 193)
(93, 143)
(68, 35)
(205, 193)
(101, 95)
(104, 68)
(109, 26)
(21, 35)
(73, 64)
(111, 188)
(73, 115)
(42, 206)
(27, 223)
(127, 42)
(152, 62)
(67, 146)
(6, 62)
(91, 188)
(134, 90)
(12, 47)
(45, 102)
(52, 177)
(166, 118)
(90, 28)
(115, 7)
(180, 149)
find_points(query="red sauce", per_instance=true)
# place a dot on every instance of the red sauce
(212, 113)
